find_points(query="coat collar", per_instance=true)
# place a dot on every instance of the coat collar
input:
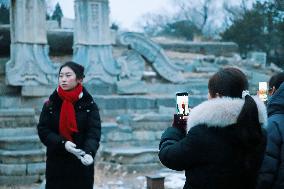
(222, 112)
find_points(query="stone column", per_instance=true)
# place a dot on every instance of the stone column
(92, 41)
(29, 64)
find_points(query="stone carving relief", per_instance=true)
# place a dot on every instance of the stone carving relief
(29, 64)
(154, 54)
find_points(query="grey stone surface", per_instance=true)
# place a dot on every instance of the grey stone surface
(13, 169)
(259, 57)
(9, 101)
(29, 47)
(216, 48)
(36, 168)
(11, 132)
(130, 155)
(17, 118)
(116, 135)
(132, 66)
(154, 54)
(131, 87)
(22, 156)
(144, 135)
(20, 142)
(37, 91)
(130, 168)
(92, 41)
(19, 180)
(17, 112)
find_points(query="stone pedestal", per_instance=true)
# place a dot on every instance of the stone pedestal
(29, 64)
(92, 41)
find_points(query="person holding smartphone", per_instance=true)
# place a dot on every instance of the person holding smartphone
(271, 174)
(70, 128)
(221, 143)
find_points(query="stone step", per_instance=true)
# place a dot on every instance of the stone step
(130, 155)
(17, 117)
(129, 168)
(22, 156)
(129, 159)
(21, 131)
(9, 90)
(20, 180)
(121, 135)
(22, 169)
(20, 142)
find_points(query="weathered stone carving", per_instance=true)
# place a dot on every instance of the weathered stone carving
(154, 54)
(29, 64)
(132, 66)
(92, 41)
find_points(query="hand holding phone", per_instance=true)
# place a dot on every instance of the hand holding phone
(182, 103)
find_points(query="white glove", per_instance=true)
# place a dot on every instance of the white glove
(87, 159)
(71, 147)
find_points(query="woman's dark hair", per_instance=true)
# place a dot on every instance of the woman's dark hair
(229, 82)
(276, 80)
(77, 68)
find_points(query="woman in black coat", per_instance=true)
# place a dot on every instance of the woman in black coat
(225, 143)
(272, 171)
(70, 128)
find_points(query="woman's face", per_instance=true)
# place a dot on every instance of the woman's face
(67, 79)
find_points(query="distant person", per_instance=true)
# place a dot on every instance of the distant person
(70, 128)
(272, 171)
(225, 142)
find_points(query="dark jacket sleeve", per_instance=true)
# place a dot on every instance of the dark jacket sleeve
(47, 136)
(93, 133)
(272, 157)
(177, 150)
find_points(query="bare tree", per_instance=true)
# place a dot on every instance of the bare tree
(235, 12)
(153, 23)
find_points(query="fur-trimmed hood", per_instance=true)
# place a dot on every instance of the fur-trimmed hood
(221, 112)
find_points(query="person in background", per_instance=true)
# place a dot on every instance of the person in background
(70, 128)
(225, 142)
(271, 174)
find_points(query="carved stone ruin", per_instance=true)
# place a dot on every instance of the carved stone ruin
(29, 64)
(154, 54)
(92, 41)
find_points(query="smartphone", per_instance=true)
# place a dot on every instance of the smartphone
(182, 103)
(262, 91)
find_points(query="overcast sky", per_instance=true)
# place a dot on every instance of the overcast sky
(124, 12)
(127, 12)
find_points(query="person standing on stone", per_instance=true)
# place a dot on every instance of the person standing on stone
(271, 174)
(70, 128)
(225, 142)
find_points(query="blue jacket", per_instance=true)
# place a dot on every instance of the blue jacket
(272, 171)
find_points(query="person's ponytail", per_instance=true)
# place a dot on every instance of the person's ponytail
(248, 122)
(249, 135)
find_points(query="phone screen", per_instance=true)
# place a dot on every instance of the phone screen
(262, 90)
(182, 103)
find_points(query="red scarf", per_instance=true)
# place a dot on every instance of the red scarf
(67, 121)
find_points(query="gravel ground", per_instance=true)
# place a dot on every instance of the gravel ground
(121, 180)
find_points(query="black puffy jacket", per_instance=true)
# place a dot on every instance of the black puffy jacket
(63, 169)
(211, 152)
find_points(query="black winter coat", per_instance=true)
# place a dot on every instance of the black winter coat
(63, 169)
(272, 171)
(211, 153)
